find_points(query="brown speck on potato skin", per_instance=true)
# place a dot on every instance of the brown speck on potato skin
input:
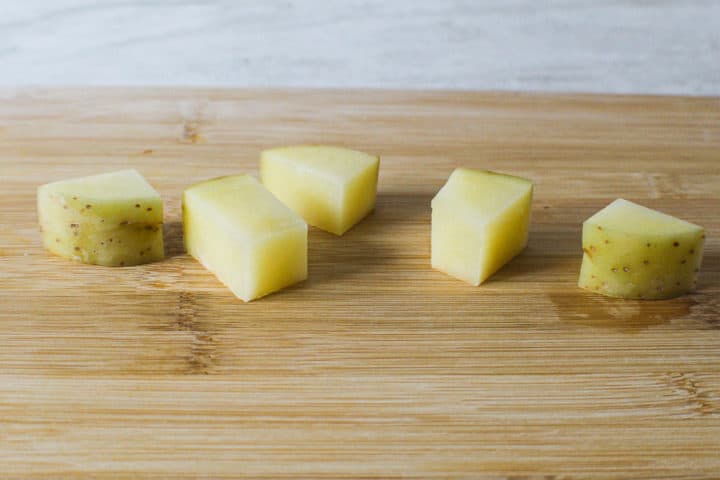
(77, 249)
(614, 270)
(88, 206)
(677, 283)
(123, 223)
(57, 240)
(122, 264)
(676, 244)
(691, 251)
(592, 247)
(683, 261)
(137, 205)
(607, 241)
(65, 207)
(648, 244)
(626, 269)
(142, 253)
(645, 262)
(74, 197)
(149, 209)
(110, 240)
(599, 227)
(74, 225)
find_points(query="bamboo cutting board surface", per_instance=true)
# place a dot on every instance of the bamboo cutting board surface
(377, 366)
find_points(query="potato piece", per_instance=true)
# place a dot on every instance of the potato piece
(239, 231)
(331, 188)
(112, 219)
(480, 221)
(631, 251)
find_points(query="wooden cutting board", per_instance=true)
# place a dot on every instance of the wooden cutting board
(377, 366)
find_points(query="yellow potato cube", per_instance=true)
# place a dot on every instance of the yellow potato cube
(480, 221)
(112, 219)
(631, 251)
(332, 188)
(239, 231)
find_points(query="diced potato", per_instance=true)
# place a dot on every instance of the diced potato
(480, 221)
(113, 219)
(239, 231)
(332, 188)
(631, 251)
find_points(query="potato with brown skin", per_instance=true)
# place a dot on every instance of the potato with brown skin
(112, 219)
(631, 251)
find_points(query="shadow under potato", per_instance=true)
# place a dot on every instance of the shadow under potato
(547, 251)
(377, 241)
(709, 276)
(173, 239)
(332, 258)
(404, 207)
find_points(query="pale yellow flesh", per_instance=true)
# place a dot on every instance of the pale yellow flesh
(112, 219)
(630, 251)
(253, 243)
(332, 188)
(480, 221)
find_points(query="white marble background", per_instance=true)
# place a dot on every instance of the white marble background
(640, 46)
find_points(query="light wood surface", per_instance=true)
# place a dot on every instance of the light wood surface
(377, 366)
(622, 46)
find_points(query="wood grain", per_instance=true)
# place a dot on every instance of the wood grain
(623, 46)
(376, 366)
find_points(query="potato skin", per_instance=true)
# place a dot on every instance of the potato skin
(636, 266)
